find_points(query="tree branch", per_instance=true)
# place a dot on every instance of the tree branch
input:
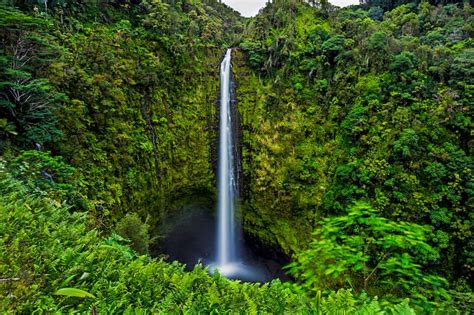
(373, 271)
(9, 279)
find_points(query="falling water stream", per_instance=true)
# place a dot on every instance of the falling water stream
(226, 184)
(227, 261)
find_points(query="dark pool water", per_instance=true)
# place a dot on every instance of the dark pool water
(189, 237)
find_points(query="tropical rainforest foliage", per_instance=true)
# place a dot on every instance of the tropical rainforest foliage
(356, 128)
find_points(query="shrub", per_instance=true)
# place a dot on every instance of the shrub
(370, 253)
(132, 228)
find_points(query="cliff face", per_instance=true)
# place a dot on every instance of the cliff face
(266, 205)
(142, 148)
(128, 97)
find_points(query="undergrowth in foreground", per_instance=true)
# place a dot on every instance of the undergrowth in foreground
(46, 246)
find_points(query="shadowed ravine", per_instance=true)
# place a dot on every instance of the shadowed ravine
(190, 239)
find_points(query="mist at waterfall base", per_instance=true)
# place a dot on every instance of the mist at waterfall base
(190, 238)
(222, 249)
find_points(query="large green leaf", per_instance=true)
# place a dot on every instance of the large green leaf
(74, 292)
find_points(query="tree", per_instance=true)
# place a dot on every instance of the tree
(375, 13)
(333, 46)
(27, 101)
(407, 143)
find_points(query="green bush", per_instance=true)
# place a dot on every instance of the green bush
(370, 254)
(40, 169)
(132, 228)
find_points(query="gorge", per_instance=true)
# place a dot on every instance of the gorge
(321, 165)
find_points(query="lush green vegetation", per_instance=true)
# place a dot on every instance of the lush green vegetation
(357, 160)
(350, 107)
(136, 98)
(47, 247)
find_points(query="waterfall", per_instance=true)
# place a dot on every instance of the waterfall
(231, 259)
(226, 182)
(228, 260)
